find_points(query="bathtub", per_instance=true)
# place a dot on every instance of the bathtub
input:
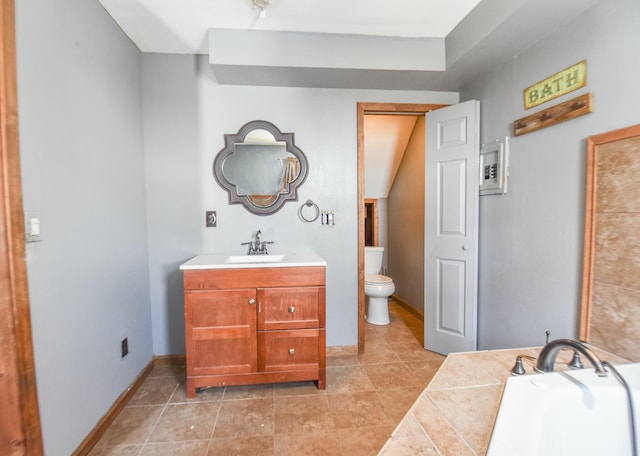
(566, 413)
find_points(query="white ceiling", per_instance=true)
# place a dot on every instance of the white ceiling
(444, 44)
(180, 26)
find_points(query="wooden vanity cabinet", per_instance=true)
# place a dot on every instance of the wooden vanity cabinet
(254, 325)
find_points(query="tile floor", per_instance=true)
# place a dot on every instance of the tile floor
(366, 397)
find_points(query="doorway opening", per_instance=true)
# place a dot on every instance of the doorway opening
(363, 226)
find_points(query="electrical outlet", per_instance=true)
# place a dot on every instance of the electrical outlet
(211, 219)
(124, 347)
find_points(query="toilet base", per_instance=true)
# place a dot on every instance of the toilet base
(377, 311)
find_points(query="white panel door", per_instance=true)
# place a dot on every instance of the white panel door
(451, 228)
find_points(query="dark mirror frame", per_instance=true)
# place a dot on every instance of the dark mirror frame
(231, 140)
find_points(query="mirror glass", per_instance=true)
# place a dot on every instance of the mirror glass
(260, 167)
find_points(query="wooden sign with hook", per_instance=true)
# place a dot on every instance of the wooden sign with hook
(570, 109)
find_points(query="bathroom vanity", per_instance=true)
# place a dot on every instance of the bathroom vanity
(254, 319)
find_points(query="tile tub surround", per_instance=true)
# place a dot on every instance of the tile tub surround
(455, 414)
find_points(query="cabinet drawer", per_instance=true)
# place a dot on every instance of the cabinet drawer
(291, 308)
(285, 350)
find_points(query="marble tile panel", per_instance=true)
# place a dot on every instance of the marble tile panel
(618, 176)
(459, 370)
(410, 439)
(471, 411)
(441, 431)
(615, 316)
(616, 256)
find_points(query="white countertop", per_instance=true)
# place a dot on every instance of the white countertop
(221, 261)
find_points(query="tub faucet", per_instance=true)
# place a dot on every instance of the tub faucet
(547, 357)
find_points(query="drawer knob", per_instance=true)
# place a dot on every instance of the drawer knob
(292, 351)
(292, 309)
(252, 301)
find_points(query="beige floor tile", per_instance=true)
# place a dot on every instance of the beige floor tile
(242, 446)
(193, 448)
(355, 410)
(389, 375)
(204, 395)
(303, 414)
(233, 393)
(366, 397)
(244, 418)
(297, 389)
(378, 353)
(347, 378)
(365, 441)
(119, 450)
(316, 443)
(180, 422)
(132, 426)
(396, 402)
(154, 391)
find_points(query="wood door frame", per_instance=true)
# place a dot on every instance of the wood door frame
(363, 109)
(593, 142)
(19, 416)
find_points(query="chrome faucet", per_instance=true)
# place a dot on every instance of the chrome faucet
(547, 357)
(257, 247)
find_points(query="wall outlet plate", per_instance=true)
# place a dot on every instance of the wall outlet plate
(124, 347)
(211, 219)
(494, 167)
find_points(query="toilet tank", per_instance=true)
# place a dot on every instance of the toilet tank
(373, 259)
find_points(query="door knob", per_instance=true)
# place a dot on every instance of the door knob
(292, 309)
(252, 301)
(465, 247)
(292, 351)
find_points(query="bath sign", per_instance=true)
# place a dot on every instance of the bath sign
(565, 81)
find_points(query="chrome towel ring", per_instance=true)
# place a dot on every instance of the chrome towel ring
(316, 210)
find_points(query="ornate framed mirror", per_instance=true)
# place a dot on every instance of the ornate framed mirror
(260, 167)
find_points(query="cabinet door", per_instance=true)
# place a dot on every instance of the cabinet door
(290, 308)
(220, 331)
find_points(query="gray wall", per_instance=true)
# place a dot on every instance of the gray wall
(531, 238)
(191, 114)
(406, 217)
(83, 176)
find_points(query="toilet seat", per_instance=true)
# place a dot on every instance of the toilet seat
(377, 279)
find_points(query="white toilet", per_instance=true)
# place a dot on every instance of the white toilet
(377, 287)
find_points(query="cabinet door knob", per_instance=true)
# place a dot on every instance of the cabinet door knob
(292, 309)
(292, 351)
(252, 301)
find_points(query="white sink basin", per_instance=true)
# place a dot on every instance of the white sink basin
(254, 258)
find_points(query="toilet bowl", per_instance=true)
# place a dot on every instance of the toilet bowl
(377, 288)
